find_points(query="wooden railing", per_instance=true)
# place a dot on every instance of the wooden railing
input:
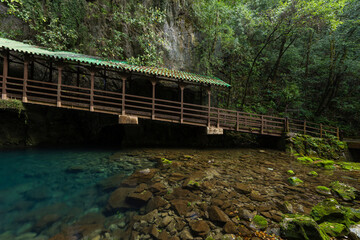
(92, 99)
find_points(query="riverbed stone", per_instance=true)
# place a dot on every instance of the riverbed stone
(346, 192)
(230, 227)
(242, 188)
(138, 199)
(155, 203)
(111, 183)
(200, 228)
(140, 176)
(180, 206)
(217, 215)
(117, 200)
(76, 169)
(354, 232)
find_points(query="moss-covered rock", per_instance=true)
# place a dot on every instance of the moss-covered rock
(330, 210)
(350, 166)
(334, 229)
(260, 222)
(301, 227)
(313, 173)
(323, 190)
(346, 192)
(294, 181)
(290, 172)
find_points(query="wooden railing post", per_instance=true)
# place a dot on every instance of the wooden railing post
(5, 75)
(304, 127)
(287, 127)
(218, 118)
(123, 96)
(58, 100)
(26, 77)
(337, 133)
(321, 130)
(182, 87)
(262, 125)
(209, 106)
(237, 121)
(92, 83)
(153, 83)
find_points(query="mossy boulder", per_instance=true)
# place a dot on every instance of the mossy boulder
(294, 181)
(346, 192)
(260, 222)
(330, 210)
(334, 229)
(350, 166)
(301, 227)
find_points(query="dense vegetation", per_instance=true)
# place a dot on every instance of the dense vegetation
(296, 58)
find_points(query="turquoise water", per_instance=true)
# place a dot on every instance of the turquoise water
(35, 183)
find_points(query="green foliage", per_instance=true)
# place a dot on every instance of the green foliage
(12, 105)
(305, 160)
(290, 172)
(313, 173)
(260, 222)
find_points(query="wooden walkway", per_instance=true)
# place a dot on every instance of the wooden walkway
(120, 103)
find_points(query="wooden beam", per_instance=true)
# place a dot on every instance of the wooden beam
(182, 87)
(208, 90)
(26, 78)
(58, 100)
(262, 125)
(92, 83)
(304, 127)
(5, 75)
(153, 83)
(123, 95)
(321, 130)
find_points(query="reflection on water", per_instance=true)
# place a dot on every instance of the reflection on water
(43, 190)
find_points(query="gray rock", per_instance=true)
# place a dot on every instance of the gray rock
(354, 232)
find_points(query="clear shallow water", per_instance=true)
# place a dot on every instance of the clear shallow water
(62, 184)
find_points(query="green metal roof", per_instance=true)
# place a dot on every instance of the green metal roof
(81, 58)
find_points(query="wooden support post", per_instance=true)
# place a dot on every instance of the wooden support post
(51, 71)
(153, 83)
(337, 133)
(218, 118)
(287, 127)
(237, 121)
(321, 130)
(92, 83)
(26, 77)
(304, 127)
(262, 125)
(209, 105)
(123, 96)
(58, 101)
(182, 87)
(5, 75)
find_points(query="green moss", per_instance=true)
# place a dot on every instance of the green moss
(313, 173)
(260, 222)
(193, 183)
(334, 229)
(305, 160)
(330, 210)
(295, 181)
(12, 104)
(295, 226)
(350, 166)
(166, 161)
(290, 172)
(346, 192)
(326, 164)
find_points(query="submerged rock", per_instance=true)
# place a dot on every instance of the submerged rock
(323, 190)
(299, 227)
(200, 228)
(217, 215)
(354, 232)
